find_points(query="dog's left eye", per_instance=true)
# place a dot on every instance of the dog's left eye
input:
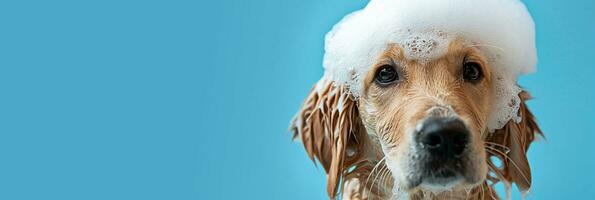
(472, 71)
(386, 75)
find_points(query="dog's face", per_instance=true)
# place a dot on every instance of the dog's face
(430, 117)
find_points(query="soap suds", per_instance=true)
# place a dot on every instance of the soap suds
(502, 29)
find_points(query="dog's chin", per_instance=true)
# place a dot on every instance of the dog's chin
(440, 184)
(440, 181)
(432, 183)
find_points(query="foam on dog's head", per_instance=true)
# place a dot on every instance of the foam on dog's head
(502, 29)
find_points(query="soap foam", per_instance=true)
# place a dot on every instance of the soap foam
(502, 29)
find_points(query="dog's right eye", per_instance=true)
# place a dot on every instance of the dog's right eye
(472, 71)
(386, 74)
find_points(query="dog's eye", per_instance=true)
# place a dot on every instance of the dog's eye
(472, 71)
(386, 75)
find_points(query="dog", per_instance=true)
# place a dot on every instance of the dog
(418, 129)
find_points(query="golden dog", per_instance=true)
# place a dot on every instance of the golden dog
(417, 131)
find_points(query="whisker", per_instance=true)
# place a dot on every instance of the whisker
(376, 178)
(372, 172)
(383, 170)
(483, 192)
(383, 180)
(511, 161)
(499, 145)
(491, 193)
(378, 185)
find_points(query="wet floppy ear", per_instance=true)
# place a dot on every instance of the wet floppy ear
(328, 124)
(510, 144)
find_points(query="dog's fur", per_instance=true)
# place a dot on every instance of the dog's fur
(364, 146)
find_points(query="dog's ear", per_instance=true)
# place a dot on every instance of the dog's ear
(328, 124)
(510, 144)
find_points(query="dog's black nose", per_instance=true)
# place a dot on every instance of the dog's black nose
(443, 138)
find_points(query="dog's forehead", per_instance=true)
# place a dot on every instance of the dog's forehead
(414, 51)
(426, 46)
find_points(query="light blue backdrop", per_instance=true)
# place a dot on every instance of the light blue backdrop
(192, 99)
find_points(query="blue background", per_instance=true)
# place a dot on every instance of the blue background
(192, 99)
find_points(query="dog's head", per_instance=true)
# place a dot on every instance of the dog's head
(426, 95)
(428, 119)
